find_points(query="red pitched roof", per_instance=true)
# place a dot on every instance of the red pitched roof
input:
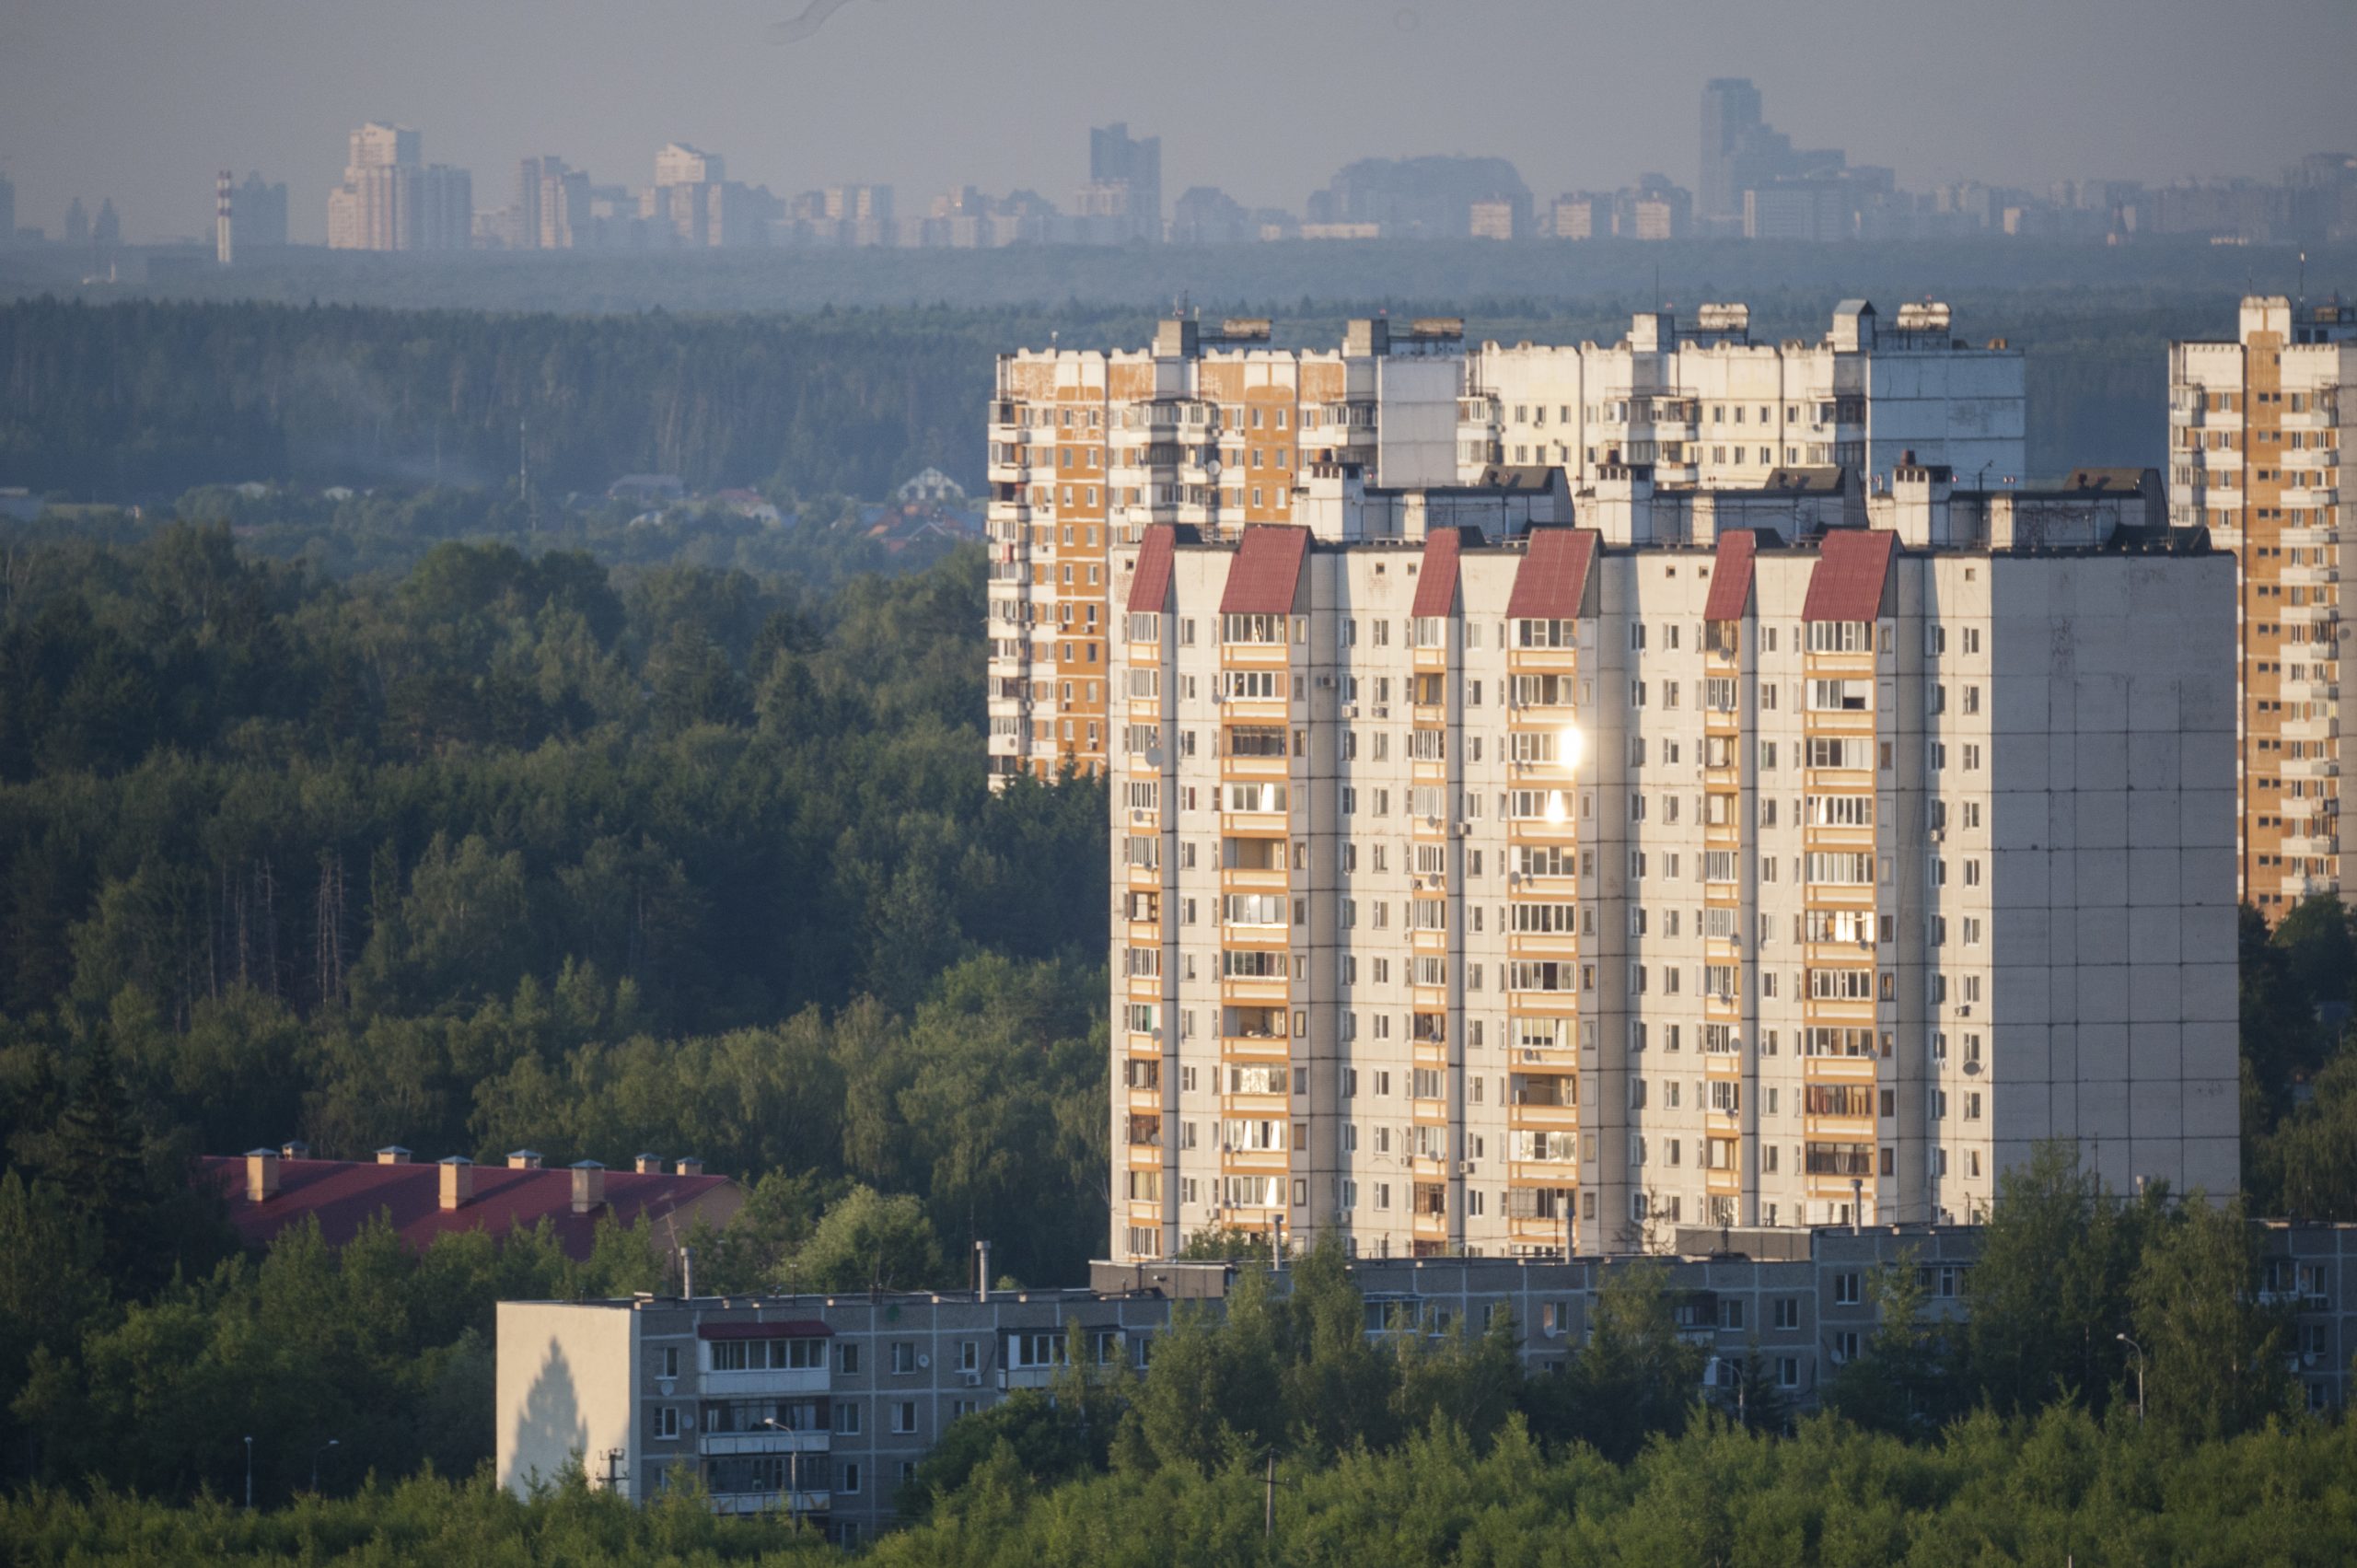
(1267, 568)
(1150, 589)
(347, 1194)
(1731, 575)
(1852, 565)
(1437, 578)
(797, 1328)
(1552, 579)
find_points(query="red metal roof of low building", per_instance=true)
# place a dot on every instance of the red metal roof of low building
(1150, 589)
(798, 1328)
(1266, 571)
(1552, 579)
(347, 1194)
(1437, 578)
(1852, 568)
(1731, 575)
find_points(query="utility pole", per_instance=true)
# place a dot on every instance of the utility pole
(1269, 1506)
(2132, 1345)
(250, 1475)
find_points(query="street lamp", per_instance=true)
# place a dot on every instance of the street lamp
(2132, 1345)
(330, 1443)
(793, 1469)
(250, 1475)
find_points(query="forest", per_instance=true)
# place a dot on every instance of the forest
(503, 848)
(136, 401)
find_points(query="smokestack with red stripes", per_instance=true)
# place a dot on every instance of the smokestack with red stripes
(222, 245)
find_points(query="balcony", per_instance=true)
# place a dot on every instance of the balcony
(2310, 768)
(764, 1442)
(773, 1380)
(2310, 845)
(771, 1502)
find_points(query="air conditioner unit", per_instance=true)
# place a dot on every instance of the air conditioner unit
(970, 1379)
(1464, 1168)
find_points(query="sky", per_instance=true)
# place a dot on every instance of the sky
(144, 100)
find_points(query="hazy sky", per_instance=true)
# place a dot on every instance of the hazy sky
(145, 99)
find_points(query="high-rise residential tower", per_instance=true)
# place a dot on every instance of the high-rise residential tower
(1208, 426)
(1211, 427)
(2255, 428)
(1499, 870)
(1703, 404)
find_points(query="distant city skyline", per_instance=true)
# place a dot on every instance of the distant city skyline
(1264, 102)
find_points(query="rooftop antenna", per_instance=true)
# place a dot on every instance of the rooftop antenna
(2302, 297)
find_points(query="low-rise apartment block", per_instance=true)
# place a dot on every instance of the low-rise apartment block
(823, 1405)
(1488, 879)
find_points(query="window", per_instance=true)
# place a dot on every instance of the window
(850, 1480)
(904, 1415)
(671, 1361)
(846, 1418)
(1788, 1312)
(667, 1421)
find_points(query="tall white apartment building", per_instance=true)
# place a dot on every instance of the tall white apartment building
(1207, 427)
(1214, 427)
(1703, 405)
(2256, 428)
(391, 200)
(1491, 880)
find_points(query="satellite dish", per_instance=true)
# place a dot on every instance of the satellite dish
(1211, 468)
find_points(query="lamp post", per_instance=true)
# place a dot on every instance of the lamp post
(250, 1474)
(793, 1467)
(330, 1443)
(2132, 1345)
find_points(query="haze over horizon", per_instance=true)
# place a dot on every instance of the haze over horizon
(142, 102)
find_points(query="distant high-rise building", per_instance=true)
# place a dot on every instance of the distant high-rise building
(77, 224)
(1730, 111)
(1206, 214)
(391, 201)
(526, 225)
(2258, 428)
(7, 212)
(1741, 152)
(260, 208)
(106, 230)
(692, 203)
(1429, 198)
(1125, 181)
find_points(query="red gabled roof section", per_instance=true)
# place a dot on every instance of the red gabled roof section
(1266, 571)
(1437, 578)
(347, 1194)
(1853, 569)
(1731, 575)
(1150, 589)
(1552, 579)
